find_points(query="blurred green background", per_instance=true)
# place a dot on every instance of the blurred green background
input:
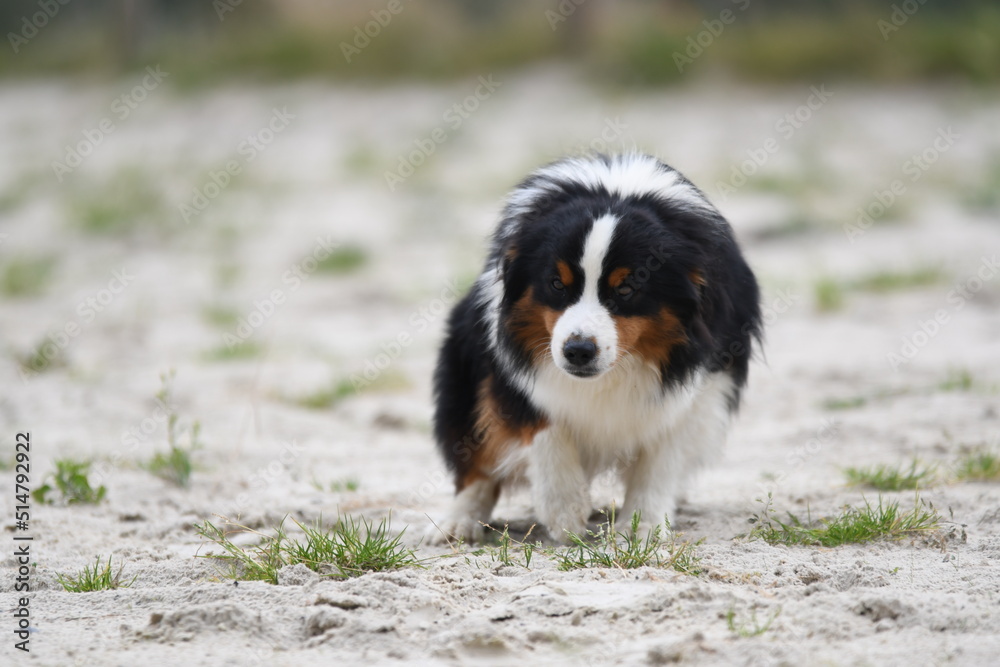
(628, 43)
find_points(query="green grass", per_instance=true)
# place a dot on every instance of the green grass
(848, 403)
(984, 196)
(174, 465)
(958, 379)
(628, 549)
(220, 316)
(129, 202)
(326, 397)
(44, 356)
(892, 478)
(245, 350)
(348, 548)
(749, 628)
(98, 577)
(829, 295)
(26, 276)
(506, 549)
(347, 484)
(980, 465)
(891, 281)
(342, 261)
(69, 484)
(853, 525)
(634, 45)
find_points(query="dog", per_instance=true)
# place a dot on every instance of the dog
(611, 328)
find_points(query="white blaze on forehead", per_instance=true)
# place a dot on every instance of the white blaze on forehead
(594, 252)
(588, 318)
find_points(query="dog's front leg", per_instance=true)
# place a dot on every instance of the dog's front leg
(559, 484)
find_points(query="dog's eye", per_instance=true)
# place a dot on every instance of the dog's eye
(624, 290)
(558, 285)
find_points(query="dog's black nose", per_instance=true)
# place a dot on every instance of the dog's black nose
(579, 351)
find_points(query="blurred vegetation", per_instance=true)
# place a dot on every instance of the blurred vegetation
(626, 43)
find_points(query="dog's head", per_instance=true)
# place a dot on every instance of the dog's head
(601, 258)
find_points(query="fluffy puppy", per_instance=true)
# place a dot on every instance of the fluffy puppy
(610, 329)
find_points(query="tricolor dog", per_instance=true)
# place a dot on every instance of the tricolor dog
(611, 329)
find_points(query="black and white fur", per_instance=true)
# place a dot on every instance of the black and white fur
(611, 328)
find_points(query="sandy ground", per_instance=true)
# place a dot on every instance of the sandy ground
(319, 181)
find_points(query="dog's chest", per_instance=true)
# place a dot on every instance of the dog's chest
(624, 409)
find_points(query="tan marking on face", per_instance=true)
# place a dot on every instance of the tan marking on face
(697, 277)
(532, 324)
(651, 338)
(496, 435)
(565, 273)
(618, 276)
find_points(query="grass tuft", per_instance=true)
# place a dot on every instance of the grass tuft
(98, 577)
(70, 480)
(220, 316)
(244, 350)
(829, 295)
(890, 281)
(44, 356)
(26, 276)
(326, 397)
(346, 484)
(848, 403)
(854, 525)
(751, 628)
(128, 203)
(506, 547)
(175, 464)
(343, 261)
(891, 478)
(627, 549)
(958, 379)
(981, 465)
(349, 548)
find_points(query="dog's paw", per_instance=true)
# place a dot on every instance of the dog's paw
(454, 530)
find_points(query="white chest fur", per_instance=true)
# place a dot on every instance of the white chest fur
(613, 416)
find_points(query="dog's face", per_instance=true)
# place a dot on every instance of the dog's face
(584, 287)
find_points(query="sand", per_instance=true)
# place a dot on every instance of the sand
(320, 182)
